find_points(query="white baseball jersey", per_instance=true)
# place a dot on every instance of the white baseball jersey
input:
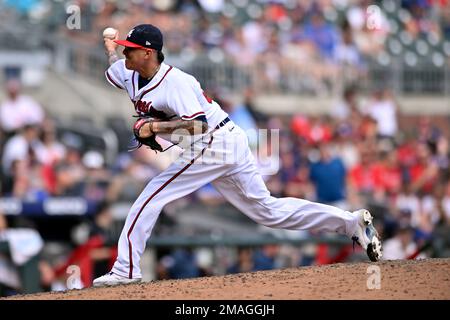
(221, 157)
(171, 94)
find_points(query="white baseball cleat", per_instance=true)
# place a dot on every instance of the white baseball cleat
(367, 236)
(112, 279)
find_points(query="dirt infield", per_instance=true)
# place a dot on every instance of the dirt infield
(420, 279)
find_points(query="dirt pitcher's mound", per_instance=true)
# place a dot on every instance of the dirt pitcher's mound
(419, 279)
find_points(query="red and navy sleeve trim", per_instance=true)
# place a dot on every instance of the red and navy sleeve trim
(195, 115)
(111, 80)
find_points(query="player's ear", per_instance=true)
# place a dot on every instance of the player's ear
(147, 54)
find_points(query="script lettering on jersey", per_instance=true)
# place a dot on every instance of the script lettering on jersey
(142, 106)
(145, 108)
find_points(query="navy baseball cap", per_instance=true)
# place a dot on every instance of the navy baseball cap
(144, 36)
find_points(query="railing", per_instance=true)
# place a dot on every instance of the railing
(280, 77)
(263, 76)
(421, 80)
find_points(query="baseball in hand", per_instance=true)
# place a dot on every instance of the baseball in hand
(109, 33)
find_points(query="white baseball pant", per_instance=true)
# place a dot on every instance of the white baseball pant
(224, 159)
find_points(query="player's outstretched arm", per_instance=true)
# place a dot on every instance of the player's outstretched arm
(190, 126)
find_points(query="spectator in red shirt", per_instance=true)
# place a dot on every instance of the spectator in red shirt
(388, 174)
(361, 177)
(424, 173)
(319, 131)
(313, 130)
(407, 153)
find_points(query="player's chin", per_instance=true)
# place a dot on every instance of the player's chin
(129, 64)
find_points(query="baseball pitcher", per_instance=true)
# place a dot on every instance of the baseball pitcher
(169, 102)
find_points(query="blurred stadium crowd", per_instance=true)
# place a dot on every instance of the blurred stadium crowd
(308, 46)
(289, 45)
(365, 153)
